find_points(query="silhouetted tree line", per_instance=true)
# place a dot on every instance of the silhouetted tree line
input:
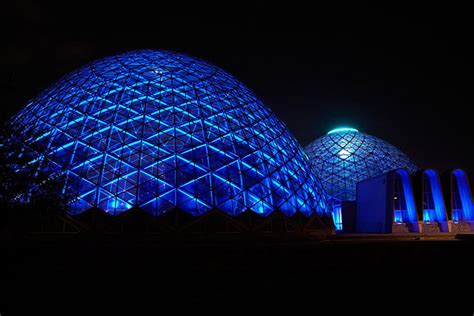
(31, 191)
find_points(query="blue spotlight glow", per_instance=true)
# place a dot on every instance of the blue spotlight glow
(337, 216)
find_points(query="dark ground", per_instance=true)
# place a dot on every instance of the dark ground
(350, 278)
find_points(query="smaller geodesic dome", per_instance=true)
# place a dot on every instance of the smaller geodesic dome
(346, 156)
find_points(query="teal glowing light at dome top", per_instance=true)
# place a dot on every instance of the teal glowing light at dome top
(342, 130)
(346, 156)
(160, 130)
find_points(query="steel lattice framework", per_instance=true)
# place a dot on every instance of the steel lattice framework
(159, 130)
(346, 156)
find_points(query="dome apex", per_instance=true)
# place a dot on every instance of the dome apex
(342, 130)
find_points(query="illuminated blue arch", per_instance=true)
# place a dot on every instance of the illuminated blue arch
(434, 209)
(160, 130)
(408, 213)
(462, 207)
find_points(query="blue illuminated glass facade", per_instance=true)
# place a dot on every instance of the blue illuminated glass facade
(346, 156)
(160, 130)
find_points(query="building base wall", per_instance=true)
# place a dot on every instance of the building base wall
(462, 227)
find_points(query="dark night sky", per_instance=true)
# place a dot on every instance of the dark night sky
(404, 74)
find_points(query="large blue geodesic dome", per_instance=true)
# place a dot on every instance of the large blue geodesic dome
(160, 130)
(346, 156)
